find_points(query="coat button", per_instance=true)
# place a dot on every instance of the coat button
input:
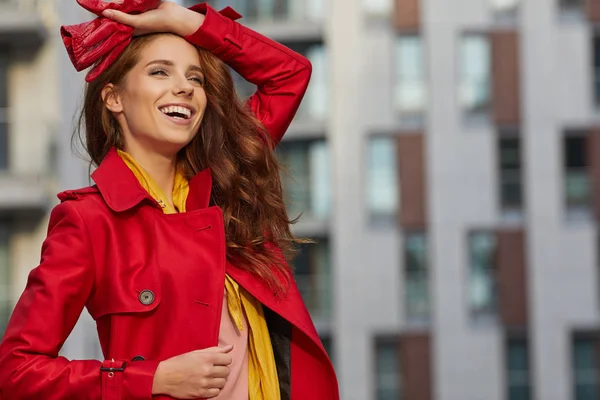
(146, 297)
(138, 358)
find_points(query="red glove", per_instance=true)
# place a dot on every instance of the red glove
(101, 40)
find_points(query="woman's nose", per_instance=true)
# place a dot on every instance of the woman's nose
(184, 87)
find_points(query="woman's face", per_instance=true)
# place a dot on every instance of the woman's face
(162, 101)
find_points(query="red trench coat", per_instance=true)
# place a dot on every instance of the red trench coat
(154, 282)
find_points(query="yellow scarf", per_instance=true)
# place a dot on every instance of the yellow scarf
(263, 383)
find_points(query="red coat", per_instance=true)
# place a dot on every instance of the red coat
(154, 282)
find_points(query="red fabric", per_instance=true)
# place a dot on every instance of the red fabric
(109, 243)
(102, 40)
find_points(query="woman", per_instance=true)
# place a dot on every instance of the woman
(178, 251)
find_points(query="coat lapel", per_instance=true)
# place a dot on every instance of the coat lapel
(289, 306)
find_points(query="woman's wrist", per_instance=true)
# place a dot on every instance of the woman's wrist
(158, 383)
(189, 23)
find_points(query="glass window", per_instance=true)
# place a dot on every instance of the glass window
(416, 275)
(271, 10)
(597, 69)
(505, 7)
(315, 104)
(410, 93)
(312, 268)
(510, 173)
(482, 285)
(585, 366)
(378, 7)
(306, 177)
(571, 6)
(474, 74)
(387, 369)
(328, 345)
(518, 379)
(382, 179)
(577, 179)
(3, 110)
(5, 301)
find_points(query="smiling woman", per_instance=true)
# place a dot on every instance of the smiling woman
(180, 250)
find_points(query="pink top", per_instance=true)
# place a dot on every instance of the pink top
(236, 387)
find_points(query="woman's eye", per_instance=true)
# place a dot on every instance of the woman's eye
(198, 80)
(158, 72)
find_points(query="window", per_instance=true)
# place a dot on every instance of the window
(315, 104)
(312, 268)
(382, 180)
(378, 7)
(475, 75)
(585, 367)
(3, 110)
(505, 8)
(577, 179)
(597, 69)
(306, 178)
(328, 345)
(511, 197)
(416, 285)
(571, 8)
(272, 10)
(387, 370)
(410, 93)
(517, 375)
(482, 284)
(5, 301)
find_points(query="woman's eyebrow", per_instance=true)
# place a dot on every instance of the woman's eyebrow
(169, 63)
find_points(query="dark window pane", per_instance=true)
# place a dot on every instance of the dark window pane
(510, 173)
(482, 282)
(416, 275)
(518, 378)
(585, 365)
(3, 79)
(306, 177)
(387, 359)
(597, 69)
(576, 151)
(312, 272)
(577, 179)
(5, 304)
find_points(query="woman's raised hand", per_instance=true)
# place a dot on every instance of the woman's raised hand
(168, 17)
(199, 374)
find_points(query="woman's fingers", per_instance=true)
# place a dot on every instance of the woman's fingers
(220, 372)
(217, 383)
(121, 17)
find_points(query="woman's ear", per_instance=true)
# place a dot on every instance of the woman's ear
(111, 98)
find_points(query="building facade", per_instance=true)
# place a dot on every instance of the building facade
(445, 159)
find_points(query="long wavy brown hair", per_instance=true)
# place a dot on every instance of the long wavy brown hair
(233, 144)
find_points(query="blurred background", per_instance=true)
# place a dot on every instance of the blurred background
(446, 158)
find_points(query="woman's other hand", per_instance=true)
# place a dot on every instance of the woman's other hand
(199, 374)
(168, 17)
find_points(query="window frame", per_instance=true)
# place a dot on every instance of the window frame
(412, 117)
(484, 114)
(491, 313)
(425, 316)
(386, 340)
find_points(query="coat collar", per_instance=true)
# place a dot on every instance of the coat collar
(122, 191)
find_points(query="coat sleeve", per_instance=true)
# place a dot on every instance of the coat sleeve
(54, 297)
(280, 74)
